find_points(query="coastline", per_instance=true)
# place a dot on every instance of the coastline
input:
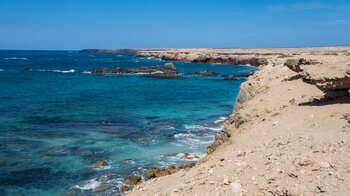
(278, 139)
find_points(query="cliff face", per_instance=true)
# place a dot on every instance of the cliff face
(284, 137)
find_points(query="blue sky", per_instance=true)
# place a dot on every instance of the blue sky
(77, 24)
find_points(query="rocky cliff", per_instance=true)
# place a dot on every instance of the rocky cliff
(286, 135)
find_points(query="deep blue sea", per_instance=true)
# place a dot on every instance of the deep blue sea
(59, 119)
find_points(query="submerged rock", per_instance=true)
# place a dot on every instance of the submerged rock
(162, 76)
(132, 180)
(204, 73)
(99, 164)
(126, 160)
(168, 68)
(243, 75)
(56, 151)
(102, 187)
(230, 78)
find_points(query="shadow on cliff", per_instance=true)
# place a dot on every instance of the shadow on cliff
(330, 98)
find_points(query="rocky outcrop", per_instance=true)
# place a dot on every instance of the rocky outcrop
(326, 78)
(168, 68)
(156, 172)
(330, 82)
(132, 180)
(99, 164)
(203, 73)
(162, 76)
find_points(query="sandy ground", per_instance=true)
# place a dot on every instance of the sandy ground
(286, 137)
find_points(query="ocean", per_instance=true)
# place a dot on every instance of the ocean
(58, 119)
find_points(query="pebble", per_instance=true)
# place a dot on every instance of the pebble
(236, 187)
(227, 181)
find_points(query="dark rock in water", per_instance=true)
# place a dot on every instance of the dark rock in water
(203, 73)
(124, 188)
(56, 151)
(168, 68)
(99, 164)
(126, 160)
(27, 69)
(243, 75)
(132, 180)
(162, 76)
(85, 153)
(156, 172)
(224, 76)
(230, 78)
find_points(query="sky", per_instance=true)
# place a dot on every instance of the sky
(79, 24)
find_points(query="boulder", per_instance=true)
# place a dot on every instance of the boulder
(132, 180)
(99, 164)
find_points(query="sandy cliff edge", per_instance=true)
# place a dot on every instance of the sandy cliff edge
(284, 137)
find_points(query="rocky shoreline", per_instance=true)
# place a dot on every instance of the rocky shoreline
(279, 139)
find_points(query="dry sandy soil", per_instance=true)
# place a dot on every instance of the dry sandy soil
(286, 136)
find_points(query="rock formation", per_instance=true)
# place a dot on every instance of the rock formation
(325, 77)
(163, 76)
(168, 68)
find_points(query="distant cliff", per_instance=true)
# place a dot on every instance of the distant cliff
(110, 50)
(120, 50)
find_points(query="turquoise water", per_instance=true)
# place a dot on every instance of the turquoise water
(58, 119)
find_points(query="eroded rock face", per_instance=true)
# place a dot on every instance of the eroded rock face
(328, 83)
(168, 68)
(326, 78)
